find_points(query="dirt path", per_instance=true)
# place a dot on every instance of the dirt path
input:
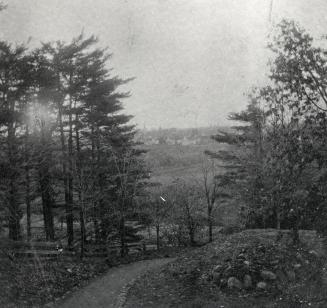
(108, 291)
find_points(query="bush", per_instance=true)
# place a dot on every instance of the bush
(231, 229)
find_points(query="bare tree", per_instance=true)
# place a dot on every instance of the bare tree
(210, 187)
(158, 208)
(188, 207)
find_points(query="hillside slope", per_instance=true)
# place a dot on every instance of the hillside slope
(280, 276)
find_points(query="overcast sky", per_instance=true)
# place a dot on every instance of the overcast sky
(193, 59)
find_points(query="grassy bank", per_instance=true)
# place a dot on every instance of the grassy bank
(199, 278)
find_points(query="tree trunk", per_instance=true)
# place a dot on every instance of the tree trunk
(210, 223)
(123, 248)
(95, 209)
(295, 231)
(192, 235)
(27, 187)
(70, 177)
(45, 185)
(277, 219)
(80, 187)
(14, 215)
(179, 236)
(47, 203)
(101, 184)
(295, 224)
(28, 207)
(68, 209)
(158, 236)
(82, 228)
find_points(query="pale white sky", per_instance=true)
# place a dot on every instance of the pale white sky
(193, 59)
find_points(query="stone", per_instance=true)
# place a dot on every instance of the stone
(218, 268)
(281, 276)
(324, 276)
(262, 285)
(268, 275)
(228, 271)
(262, 248)
(280, 287)
(204, 277)
(223, 283)
(216, 277)
(314, 253)
(299, 257)
(241, 256)
(247, 263)
(247, 282)
(290, 275)
(234, 283)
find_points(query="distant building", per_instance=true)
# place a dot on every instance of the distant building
(188, 141)
(203, 140)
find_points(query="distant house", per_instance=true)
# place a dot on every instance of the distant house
(188, 141)
(170, 140)
(151, 141)
(203, 140)
(162, 140)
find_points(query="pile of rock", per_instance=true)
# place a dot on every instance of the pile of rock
(260, 268)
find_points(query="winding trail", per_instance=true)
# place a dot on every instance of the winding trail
(109, 290)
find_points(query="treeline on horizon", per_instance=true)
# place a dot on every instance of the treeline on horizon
(175, 134)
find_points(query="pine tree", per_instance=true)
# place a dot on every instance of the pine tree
(14, 85)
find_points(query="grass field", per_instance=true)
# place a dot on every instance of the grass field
(169, 162)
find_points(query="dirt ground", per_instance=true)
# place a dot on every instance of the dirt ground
(109, 290)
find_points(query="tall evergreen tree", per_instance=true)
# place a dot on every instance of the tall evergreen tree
(14, 85)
